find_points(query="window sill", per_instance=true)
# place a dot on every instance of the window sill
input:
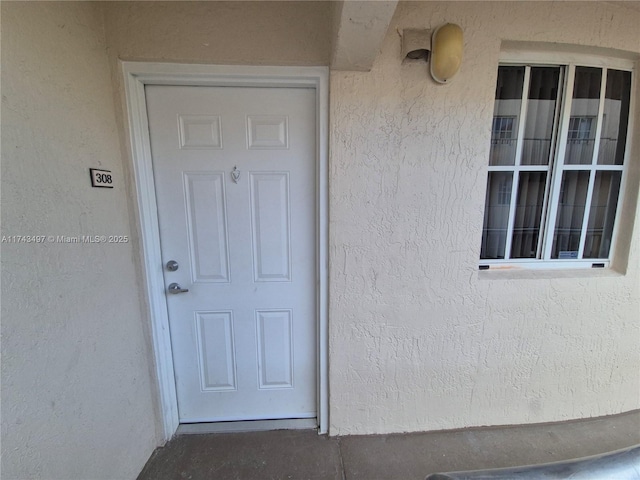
(519, 272)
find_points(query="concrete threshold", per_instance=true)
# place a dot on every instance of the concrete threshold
(303, 454)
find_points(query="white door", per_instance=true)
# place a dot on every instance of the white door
(234, 171)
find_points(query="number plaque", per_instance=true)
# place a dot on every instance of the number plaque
(101, 178)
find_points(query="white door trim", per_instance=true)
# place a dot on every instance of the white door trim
(136, 76)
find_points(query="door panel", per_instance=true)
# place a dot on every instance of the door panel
(275, 349)
(234, 170)
(270, 227)
(207, 227)
(216, 351)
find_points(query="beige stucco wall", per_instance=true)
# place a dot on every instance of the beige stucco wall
(77, 395)
(419, 339)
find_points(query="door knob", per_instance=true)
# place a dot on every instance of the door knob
(175, 288)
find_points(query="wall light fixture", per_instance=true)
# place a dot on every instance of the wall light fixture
(442, 49)
(446, 52)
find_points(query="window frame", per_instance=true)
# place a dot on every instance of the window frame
(568, 62)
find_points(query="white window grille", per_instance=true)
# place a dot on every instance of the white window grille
(558, 143)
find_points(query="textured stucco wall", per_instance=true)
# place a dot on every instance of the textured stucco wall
(419, 339)
(77, 396)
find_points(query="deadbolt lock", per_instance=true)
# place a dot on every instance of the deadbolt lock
(172, 265)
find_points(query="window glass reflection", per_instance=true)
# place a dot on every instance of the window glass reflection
(505, 115)
(541, 112)
(573, 197)
(496, 215)
(602, 214)
(526, 228)
(584, 111)
(614, 121)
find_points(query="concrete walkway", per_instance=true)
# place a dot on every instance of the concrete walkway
(303, 454)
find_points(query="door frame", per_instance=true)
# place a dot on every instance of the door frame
(136, 76)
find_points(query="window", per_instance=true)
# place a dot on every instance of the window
(556, 162)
